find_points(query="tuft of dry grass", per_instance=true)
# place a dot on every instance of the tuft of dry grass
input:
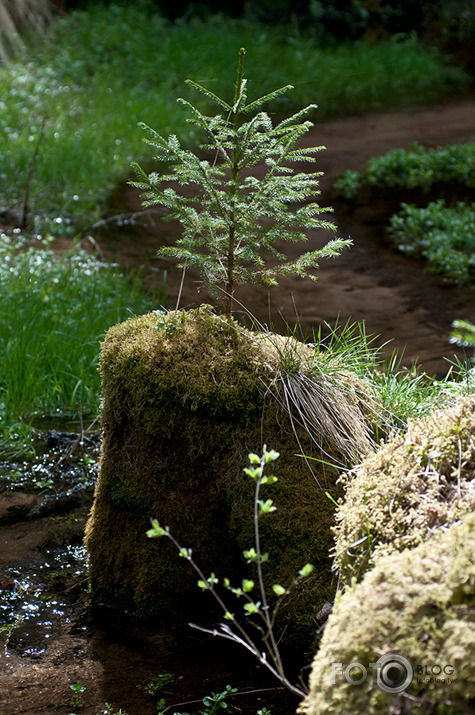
(328, 401)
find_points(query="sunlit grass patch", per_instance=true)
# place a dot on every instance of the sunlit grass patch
(54, 311)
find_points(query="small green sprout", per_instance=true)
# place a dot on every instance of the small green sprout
(266, 507)
(252, 607)
(306, 570)
(210, 582)
(157, 530)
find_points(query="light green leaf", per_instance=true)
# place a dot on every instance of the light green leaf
(271, 456)
(209, 583)
(212, 580)
(306, 570)
(156, 530)
(269, 479)
(266, 507)
(252, 607)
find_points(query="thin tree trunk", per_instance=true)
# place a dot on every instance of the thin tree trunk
(21, 19)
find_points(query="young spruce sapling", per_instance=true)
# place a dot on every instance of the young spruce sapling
(235, 218)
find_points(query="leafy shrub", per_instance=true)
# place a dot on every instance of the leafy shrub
(415, 168)
(443, 236)
(266, 649)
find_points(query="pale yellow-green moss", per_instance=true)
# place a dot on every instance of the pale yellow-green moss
(400, 495)
(420, 604)
(186, 397)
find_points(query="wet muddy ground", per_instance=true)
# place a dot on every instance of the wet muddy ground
(50, 638)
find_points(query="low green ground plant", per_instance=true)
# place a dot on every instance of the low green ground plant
(53, 312)
(414, 168)
(444, 236)
(213, 703)
(76, 701)
(463, 333)
(105, 69)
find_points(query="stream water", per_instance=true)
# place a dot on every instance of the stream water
(61, 655)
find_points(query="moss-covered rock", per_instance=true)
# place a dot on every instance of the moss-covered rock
(186, 397)
(413, 485)
(420, 604)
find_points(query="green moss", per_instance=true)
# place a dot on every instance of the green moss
(187, 396)
(415, 484)
(419, 604)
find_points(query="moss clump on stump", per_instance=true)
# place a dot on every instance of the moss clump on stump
(413, 485)
(419, 603)
(186, 397)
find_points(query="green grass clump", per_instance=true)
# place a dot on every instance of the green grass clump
(70, 110)
(415, 168)
(401, 394)
(444, 236)
(54, 311)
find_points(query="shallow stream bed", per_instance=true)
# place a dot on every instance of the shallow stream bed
(51, 638)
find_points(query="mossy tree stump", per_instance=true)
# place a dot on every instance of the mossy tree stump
(186, 398)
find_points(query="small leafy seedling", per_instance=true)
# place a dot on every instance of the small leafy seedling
(257, 607)
(75, 701)
(110, 710)
(159, 685)
(219, 701)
